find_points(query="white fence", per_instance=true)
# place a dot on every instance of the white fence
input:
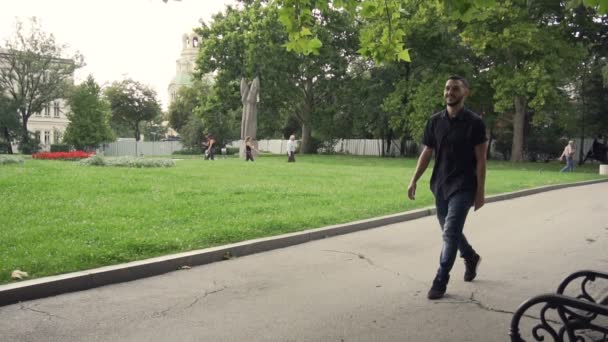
(146, 148)
(360, 147)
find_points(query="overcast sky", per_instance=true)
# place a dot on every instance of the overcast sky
(140, 39)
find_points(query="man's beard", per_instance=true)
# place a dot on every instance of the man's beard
(453, 103)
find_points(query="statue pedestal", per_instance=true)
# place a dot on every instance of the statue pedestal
(604, 169)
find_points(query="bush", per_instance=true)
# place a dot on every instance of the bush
(60, 148)
(4, 147)
(29, 147)
(95, 160)
(127, 161)
(10, 160)
(232, 150)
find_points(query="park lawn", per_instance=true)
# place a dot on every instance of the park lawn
(59, 217)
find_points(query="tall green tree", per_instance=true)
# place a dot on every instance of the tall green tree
(248, 42)
(35, 70)
(89, 117)
(381, 39)
(531, 55)
(187, 100)
(9, 121)
(131, 104)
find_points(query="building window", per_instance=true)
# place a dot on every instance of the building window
(37, 136)
(56, 109)
(47, 109)
(195, 42)
(47, 137)
(57, 136)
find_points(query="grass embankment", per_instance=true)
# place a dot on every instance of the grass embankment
(59, 217)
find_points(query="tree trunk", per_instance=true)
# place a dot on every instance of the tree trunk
(137, 133)
(7, 137)
(490, 138)
(517, 148)
(306, 146)
(25, 137)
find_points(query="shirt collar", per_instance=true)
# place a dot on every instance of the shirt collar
(460, 116)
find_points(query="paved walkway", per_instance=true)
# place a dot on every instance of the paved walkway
(366, 286)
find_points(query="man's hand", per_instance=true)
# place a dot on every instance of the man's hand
(480, 200)
(411, 191)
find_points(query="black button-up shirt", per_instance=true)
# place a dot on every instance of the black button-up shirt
(454, 142)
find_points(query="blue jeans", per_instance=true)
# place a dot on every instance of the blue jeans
(452, 214)
(569, 165)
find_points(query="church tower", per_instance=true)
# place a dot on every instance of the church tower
(184, 66)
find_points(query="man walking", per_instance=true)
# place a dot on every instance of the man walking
(458, 138)
(568, 155)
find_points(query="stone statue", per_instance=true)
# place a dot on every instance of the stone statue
(249, 122)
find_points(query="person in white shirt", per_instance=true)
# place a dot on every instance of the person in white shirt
(568, 154)
(291, 149)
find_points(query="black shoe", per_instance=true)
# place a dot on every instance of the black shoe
(471, 265)
(438, 289)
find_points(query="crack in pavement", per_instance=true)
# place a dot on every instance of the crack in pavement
(196, 300)
(369, 261)
(484, 307)
(50, 315)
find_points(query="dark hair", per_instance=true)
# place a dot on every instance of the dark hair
(459, 78)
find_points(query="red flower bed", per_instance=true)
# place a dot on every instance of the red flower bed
(63, 155)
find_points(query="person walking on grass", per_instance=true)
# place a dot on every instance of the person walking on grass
(209, 155)
(568, 155)
(458, 138)
(248, 149)
(291, 149)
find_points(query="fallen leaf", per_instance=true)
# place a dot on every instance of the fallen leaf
(185, 267)
(17, 274)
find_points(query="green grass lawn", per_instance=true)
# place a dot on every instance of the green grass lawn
(59, 217)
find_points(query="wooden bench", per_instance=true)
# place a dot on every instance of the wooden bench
(581, 318)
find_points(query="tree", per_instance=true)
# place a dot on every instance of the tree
(9, 121)
(193, 134)
(89, 117)
(248, 42)
(186, 101)
(131, 104)
(531, 59)
(381, 39)
(34, 71)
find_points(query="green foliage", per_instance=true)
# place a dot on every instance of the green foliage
(187, 100)
(60, 148)
(127, 161)
(248, 42)
(29, 146)
(9, 121)
(193, 134)
(89, 117)
(131, 104)
(5, 160)
(381, 36)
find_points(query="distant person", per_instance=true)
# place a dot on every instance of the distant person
(457, 136)
(291, 149)
(248, 149)
(209, 155)
(568, 155)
